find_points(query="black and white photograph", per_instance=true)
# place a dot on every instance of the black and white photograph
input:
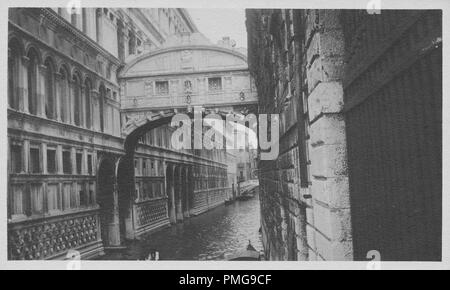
(228, 134)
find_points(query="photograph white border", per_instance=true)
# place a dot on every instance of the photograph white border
(183, 265)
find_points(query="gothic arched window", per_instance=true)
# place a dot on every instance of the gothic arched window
(13, 75)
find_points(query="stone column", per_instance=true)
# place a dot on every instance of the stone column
(25, 62)
(59, 159)
(179, 202)
(171, 193)
(99, 25)
(73, 160)
(82, 106)
(95, 111)
(26, 156)
(84, 166)
(70, 103)
(186, 192)
(41, 94)
(114, 227)
(58, 101)
(44, 158)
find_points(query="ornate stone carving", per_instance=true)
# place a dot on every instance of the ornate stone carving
(51, 238)
(186, 58)
(188, 87)
(151, 212)
(148, 88)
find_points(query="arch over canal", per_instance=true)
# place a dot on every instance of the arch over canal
(187, 72)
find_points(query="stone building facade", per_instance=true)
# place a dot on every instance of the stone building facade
(360, 104)
(70, 185)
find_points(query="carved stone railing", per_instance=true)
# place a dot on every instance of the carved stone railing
(53, 237)
(150, 212)
(208, 198)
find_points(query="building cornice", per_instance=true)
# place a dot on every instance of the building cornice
(63, 24)
(123, 74)
(66, 57)
(242, 70)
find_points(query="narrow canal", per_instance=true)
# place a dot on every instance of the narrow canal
(210, 236)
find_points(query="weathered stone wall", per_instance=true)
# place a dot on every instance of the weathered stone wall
(55, 202)
(360, 104)
(330, 230)
(296, 58)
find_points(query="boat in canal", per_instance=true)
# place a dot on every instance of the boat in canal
(249, 254)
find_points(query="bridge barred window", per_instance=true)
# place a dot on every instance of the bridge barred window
(215, 84)
(162, 88)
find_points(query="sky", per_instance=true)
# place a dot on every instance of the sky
(217, 23)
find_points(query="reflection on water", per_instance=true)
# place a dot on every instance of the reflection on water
(210, 236)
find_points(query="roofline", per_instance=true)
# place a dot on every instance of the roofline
(187, 17)
(125, 70)
(75, 32)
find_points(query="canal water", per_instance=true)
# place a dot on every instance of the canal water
(210, 236)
